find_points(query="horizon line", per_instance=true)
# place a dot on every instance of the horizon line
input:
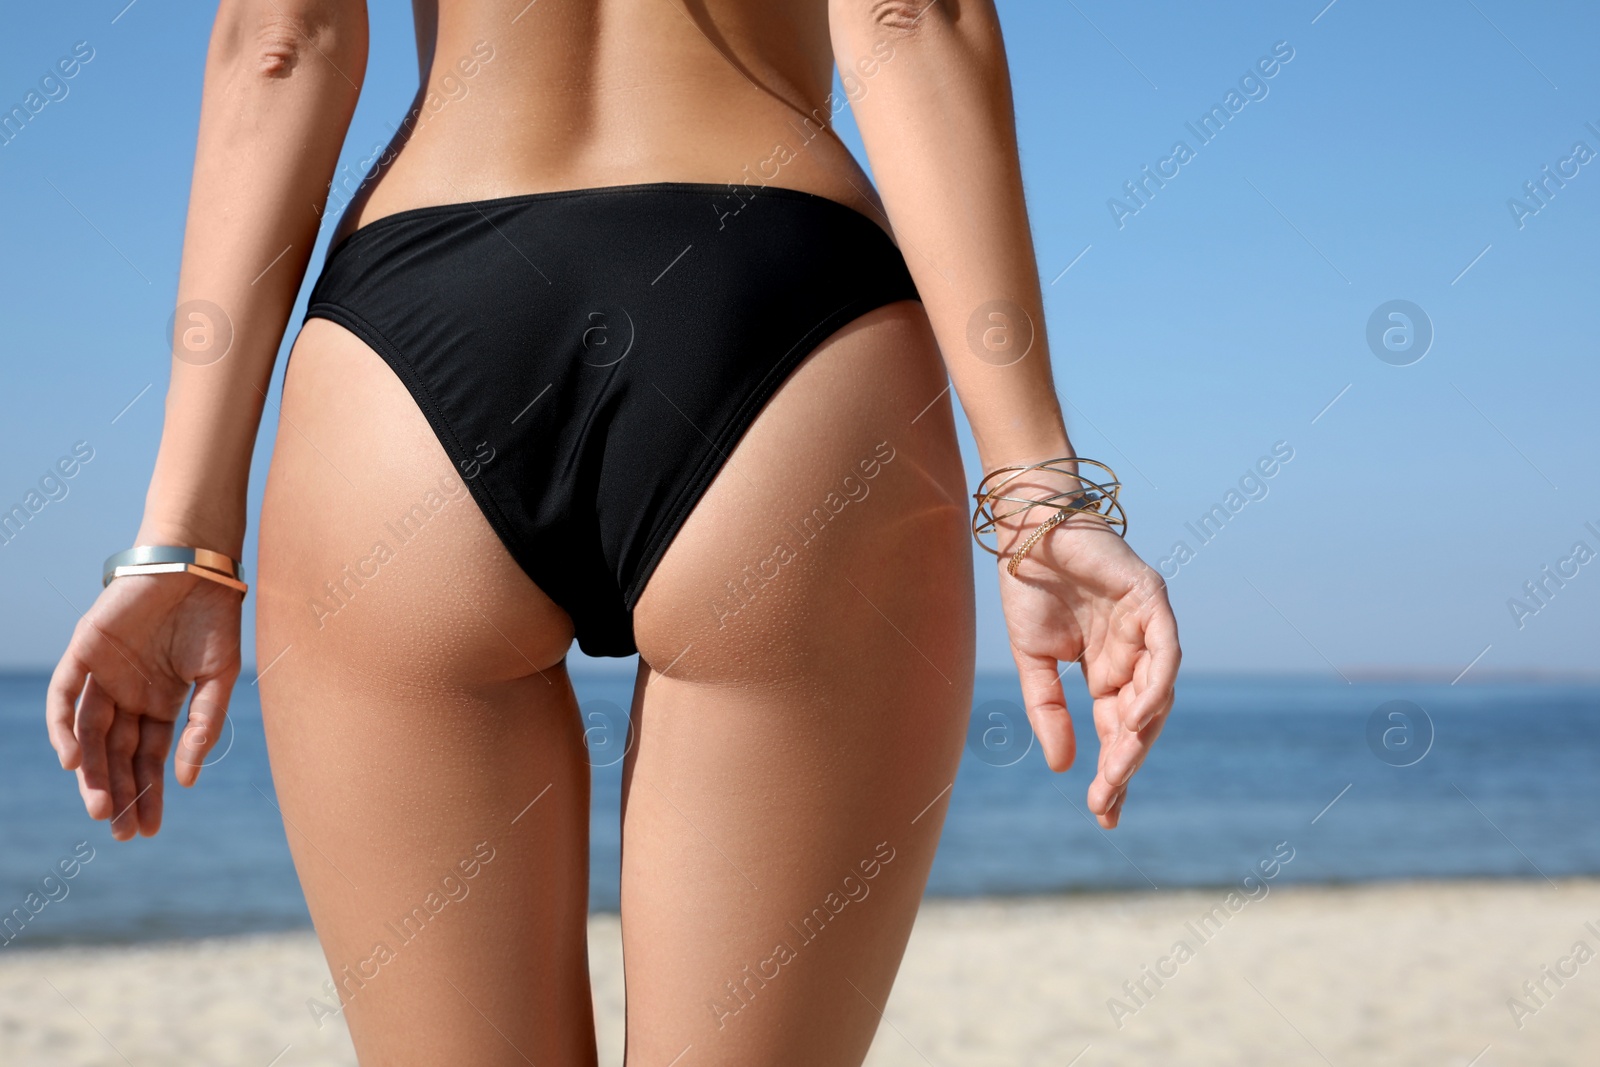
(1352, 675)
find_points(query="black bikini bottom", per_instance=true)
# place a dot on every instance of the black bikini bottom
(589, 358)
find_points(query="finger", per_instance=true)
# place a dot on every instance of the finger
(1114, 815)
(1102, 793)
(1108, 726)
(61, 708)
(207, 710)
(1046, 704)
(96, 712)
(122, 741)
(1101, 798)
(1122, 752)
(1124, 757)
(1161, 675)
(149, 766)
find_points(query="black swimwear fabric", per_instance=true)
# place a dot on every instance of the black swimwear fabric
(589, 358)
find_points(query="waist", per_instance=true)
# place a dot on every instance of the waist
(489, 140)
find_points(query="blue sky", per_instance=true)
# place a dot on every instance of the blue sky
(1191, 337)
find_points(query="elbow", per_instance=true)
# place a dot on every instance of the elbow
(283, 41)
(898, 19)
(965, 31)
(277, 39)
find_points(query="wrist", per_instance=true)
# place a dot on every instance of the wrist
(209, 529)
(1022, 450)
(194, 507)
(1016, 521)
(1022, 503)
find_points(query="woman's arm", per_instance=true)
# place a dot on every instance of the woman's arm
(937, 122)
(282, 78)
(936, 117)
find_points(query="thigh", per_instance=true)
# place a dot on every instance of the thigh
(426, 751)
(808, 648)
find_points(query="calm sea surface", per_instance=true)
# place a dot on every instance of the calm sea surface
(1366, 782)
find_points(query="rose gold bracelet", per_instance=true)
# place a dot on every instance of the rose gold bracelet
(175, 559)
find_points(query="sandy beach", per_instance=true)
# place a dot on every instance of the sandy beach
(1413, 973)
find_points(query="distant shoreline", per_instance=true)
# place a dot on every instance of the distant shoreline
(1357, 675)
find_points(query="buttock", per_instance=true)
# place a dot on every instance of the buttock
(589, 358)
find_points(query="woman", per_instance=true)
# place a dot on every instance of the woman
(612, 345)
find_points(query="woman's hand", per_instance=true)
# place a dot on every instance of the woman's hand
(1082, 594)
(118, 689)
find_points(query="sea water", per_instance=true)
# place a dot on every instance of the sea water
(1367, 781)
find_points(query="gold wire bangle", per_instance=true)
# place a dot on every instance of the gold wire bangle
(1092, 497)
